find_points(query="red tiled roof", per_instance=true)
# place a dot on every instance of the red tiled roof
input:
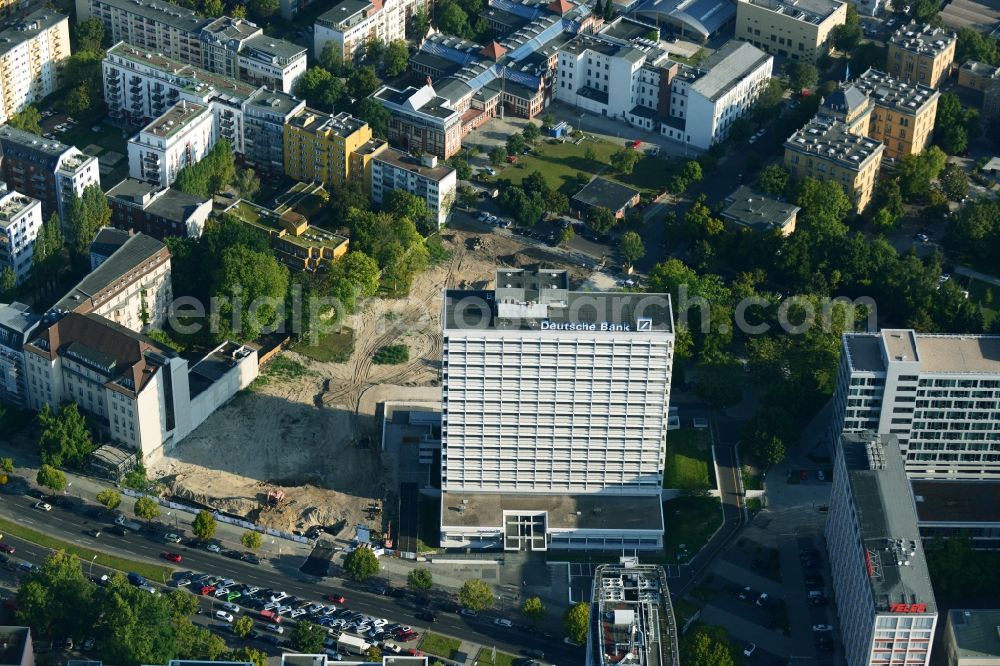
(560, 6)
(493, 50)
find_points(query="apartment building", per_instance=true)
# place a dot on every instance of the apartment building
(320, 147)
(179, 138)
(157, 211)
(965, 509)
(424, 177)
(977, 76)
(798, 29)
(130, 288)
(904, 113)
(350, 24)
(706, 100)
(18, 650)
(825, 149)
(883, 592)
(32, 52)
(265, 114)
(634, 620)
(136, 392)
(972, 637)
(20, 223)
(938, 394)
(222, 45)
(45, 169)
(17, 321)
(921, 54)
(421, 121)
(554, 421)
(758, 212)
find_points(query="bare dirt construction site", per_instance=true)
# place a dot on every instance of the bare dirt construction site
(314, 433)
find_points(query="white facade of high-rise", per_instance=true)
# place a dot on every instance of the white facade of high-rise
(350, 25)
(20, 223)
(179, 138)
(393, 169)
(548, 392)
(939, 394)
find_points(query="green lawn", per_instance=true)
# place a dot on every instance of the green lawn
(690, 521)
(561, 162)
(689, 460)
(485, 658)
(331, 348)
(439, 646)
(109, 138)
(153, 572)
(978, 291)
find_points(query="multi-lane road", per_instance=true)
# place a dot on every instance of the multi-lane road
(72, 527)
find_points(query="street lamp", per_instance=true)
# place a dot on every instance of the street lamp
(92, 560)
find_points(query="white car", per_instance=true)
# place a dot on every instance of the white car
(271, 605)
(43, 506)
(223, 615)
(231, 607)
(276, 628)
(221, 592)
(822, 628)
(278, 596)
(749, 649)
(172, 538)
(503, 622)
(298, 612)
(213, 548)
(380, 622)
(283, 610)
(251, 589)
(315, 609)
(183, 582)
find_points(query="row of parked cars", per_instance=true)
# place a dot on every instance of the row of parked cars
(816, 596)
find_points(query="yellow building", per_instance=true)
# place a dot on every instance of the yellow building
(921, 55)
(977, 76)
(797, 29)
(32, 53)
(903, 115)
(319, 147)
(824, 149)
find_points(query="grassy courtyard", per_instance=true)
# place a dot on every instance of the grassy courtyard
(560, 163)
(485, 658)
(331, 348)
(691, 522)
(439, 646)
(689, 460)
(982, 294)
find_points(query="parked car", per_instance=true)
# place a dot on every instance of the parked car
(822, 628)
(749, 649)
(173, 557)
(335, 598)
(251, 558)
(172, 538)
(276, 628)
(43, 506)
(7, 548)
(427, 616)
(213, 548)
(503, 622)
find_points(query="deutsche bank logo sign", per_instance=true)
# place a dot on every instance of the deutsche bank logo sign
(644, 324)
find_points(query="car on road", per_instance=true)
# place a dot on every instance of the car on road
(172, 538)
(749, 649)
(762, 599)
(231, 607)
(173, 557)
(822, 628)
(468, 612)
(335, 598)
(923, 238)
(821, 475)
(427, 616)
(503, 622)
(747, 593)
(569, 641)
(7, 548)
(276, 628)
(251, 558)
(213, 548)
(43, 506)
(533, 653)
(233, 554)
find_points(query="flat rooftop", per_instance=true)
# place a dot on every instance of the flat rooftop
(17, 32)
(12, 649)
(188, 77)
(167, 13)
(346, 13)
(948, 501)
(12, 205)
(757, 211)
(407, 162)
(881, 495)
(926, 39)
(945, 354)
(175, 119)
(977, 634)
(893, 93)
(633, 600)
(807, 11)
(343, 124)
(829, 139)
(727, 67)
(606, 193)
(586, 511)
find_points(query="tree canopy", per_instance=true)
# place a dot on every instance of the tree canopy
(204, 525)
(65, 437)
(576, 619)
(476, 595)
(211, 174)
(86, 215)
(253, 285)
(361, 564)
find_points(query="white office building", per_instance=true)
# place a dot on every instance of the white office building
(350, 24)
(554, 415)
(33, 50)
(423, 177)
(939, 394)
(882, 588)
(20, 223)
(16, 324)
(179, 138)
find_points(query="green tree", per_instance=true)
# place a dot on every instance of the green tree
(515, 144)
(497, 155)
(361, 564)
(632, 247)
(87, 214)
(741, 130)
(7, 465)
(973, 45)
(476, 595)
(247, 183)
(146, 508)
(243, 625)
(396, 58)
(250, 655)
(452, 19)
(533, 609)
(203, 525)
(801, 75)
(53, 599)
(590, 154)
(624, 160)
(373, 654)
(706, 647)
(361, 271)
(78, 99)
(419, 23)
(955, 125)
(566, 234)
(212, 174)
(773, 179)
(576, 619)
(925, 10)
(212, 8)
(601, 220)
(51, 478)
(8, 280)
(262, 9)
(28, 119)
(308, 637)
(362, 82)
(954, 181)
(375, 115)
(767, 102)
(320, 88)
(848, 35)
(531, 133)
(110, 498)
(251, 539)
(917, 172)
(419, 579)
(65, 437)
(253, 285)
(404, 204)
(89, 34)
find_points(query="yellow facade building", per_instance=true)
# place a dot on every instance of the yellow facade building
(798, 29)
(319, 147)
(32, 53)
(824, 149)
(921, 54)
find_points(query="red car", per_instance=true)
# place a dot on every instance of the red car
(271, 615)
(173, 557)
(406, 636)
(335, 598)
(414, 652)
(7, 548)
(208, 589)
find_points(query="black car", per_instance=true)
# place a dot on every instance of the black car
(450, 607)
(254, 634)
(824, 644)
(271, 638)
(427, 616)
(814, 581)
(397, 592)
(251, 558)
(233, 554)
(819, 601)
(533, 653)
(119, 530)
